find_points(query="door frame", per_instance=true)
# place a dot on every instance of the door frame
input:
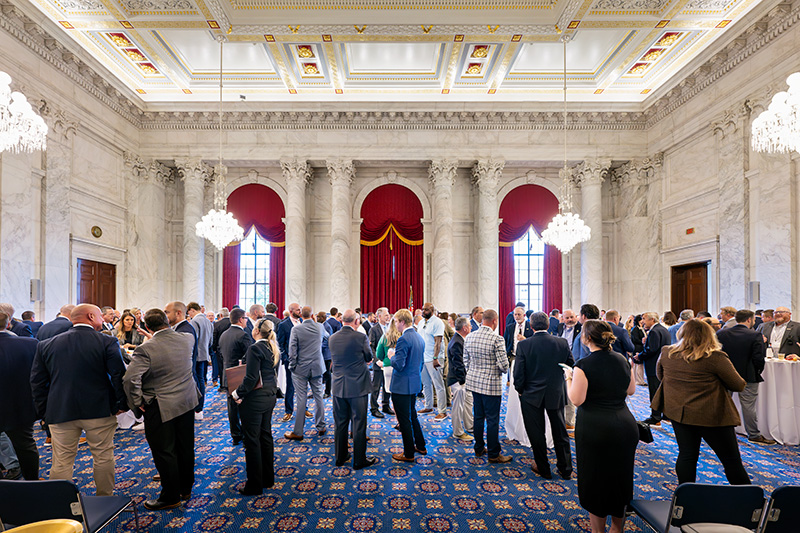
(104, 253)
(700, 252)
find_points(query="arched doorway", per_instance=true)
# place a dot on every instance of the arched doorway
(253, 270)
(529, 270)
(391, 249)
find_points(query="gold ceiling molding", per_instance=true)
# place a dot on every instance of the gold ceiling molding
(394, 5)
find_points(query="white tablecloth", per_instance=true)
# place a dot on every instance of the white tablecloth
(515, 426)
(778, 404)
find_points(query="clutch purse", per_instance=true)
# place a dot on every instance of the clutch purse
(235, 376)
(645, 435)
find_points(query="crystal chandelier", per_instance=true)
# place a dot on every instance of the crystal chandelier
(777, 129)
(566, 229)
(21, 129)
(219, 226)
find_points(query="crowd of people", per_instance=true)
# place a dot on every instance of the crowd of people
(89, 369)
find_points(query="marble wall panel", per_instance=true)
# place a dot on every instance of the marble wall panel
(691, 168)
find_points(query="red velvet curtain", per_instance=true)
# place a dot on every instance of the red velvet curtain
(258, 206)
(526, 206)
(391, 249)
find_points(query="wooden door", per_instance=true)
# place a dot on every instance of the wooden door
(690, 288)
(97, 283)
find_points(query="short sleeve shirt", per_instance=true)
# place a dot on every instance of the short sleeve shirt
(430, 329)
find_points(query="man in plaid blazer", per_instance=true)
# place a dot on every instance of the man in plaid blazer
(485, 360)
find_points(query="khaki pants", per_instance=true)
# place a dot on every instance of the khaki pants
(461, 410)
(569, 413)
(99, 437)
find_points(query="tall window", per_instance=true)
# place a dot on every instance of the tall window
(528, 270)
(253, 270)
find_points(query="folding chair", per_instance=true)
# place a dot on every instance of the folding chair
(696, 503)
(24, 502)
(783, 511)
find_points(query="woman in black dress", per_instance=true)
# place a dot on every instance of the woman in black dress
(605, 430)
(255, 409)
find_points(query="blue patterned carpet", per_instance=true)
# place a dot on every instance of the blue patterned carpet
(447, 490)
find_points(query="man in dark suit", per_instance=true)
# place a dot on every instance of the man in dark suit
(254, 314)
(782, 334)
(58, 325)
(219, 328)
(375, 334)
(283, 333)
(332, 321)
(539, 380)
(519, 329)
(350, 387)
(76, 382)
(233, 344)
(17, 327)
(657, 338)
(17, 414)
(461, 398)
(745, 349)
(160, 383)
(476, 318)
(109, 317)
(271, 309)
(555, 321)
(510, 316)
(758, 321)
(623, 345)
(176, 315)
(29, 317)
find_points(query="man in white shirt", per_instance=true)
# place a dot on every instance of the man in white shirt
(782, 334)
(570, 327)
(431, 328)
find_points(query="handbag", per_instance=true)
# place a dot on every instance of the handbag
(235, 375)
(645, 435)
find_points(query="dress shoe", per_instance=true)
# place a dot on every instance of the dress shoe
(82, 440)
(138, 427)
(464, 437)
(761, 439)
(158, 505)
(369, 462)
(326, 395)
(501, 459)
(440, 416)
(321, 432)
(186, 497)
(388, 410)
(238, 441)
(565, 476)
(291, 436)
(421, 451)
(401, 457)
(377, 414)
(250, 492)
(157, 477)
(426, 410)
(286, 417)
(650, 421)
(308, 414)
(480, 453)
(535, 470)
(48, 441)
(279, 394)
(570, 427)
(215, 383)
(13, 473)
(347, 459)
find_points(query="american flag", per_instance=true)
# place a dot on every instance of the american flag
(411, 299)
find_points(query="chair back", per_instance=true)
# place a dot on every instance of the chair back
(783, 512)
(24, 502)
(738, 505)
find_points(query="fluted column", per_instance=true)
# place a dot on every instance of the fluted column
(486, 175)
(591, 174)
(340, 174)
(193, 173)
(297, 173)
(442, 173)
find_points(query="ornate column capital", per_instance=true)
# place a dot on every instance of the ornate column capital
(731, 120)
(61, 125)
(442, 172)
(296, 170)
(193, 168)
(486, 174)
(340, 171)
(592, 171)
(134, 165)
(159, 173)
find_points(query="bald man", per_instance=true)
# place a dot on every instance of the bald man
(76, 382)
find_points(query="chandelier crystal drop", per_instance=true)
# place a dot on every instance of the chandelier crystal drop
(21, 129)
(219, 226)
(567, 229)
(777, 129)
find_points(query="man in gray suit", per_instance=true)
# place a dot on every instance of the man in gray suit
(204, 331)
(160, 383)
(307, 367)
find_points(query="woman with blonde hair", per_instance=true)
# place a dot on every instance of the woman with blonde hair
(256, 405)
(696, 380)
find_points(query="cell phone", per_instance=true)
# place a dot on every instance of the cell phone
(562, 365)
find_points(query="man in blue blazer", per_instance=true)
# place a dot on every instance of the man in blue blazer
(350, 388)
(76, 382)
(17, 414)
(406, 383)
(657, 338)
(623, 345)
(332, 321)
(282, 333)
(29, 318)
(58, 325)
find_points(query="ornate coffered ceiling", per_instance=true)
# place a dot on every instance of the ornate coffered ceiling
(394, 50)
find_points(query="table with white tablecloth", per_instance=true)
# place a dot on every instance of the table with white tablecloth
(778, 404)
(514, 425)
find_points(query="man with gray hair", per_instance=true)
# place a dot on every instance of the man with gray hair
(17, 327)
(461, 398)
(307, 367)
(685, 316)
(375, 333)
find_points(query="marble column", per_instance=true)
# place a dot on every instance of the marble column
(340, 174)
(193, 173)
(591, 174)
(442, 173)
(297, 173)
(486, 175)
(734, 230)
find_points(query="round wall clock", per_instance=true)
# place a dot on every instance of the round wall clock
(97, 232)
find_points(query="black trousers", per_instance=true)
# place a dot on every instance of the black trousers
(200, 371)
(405, 409)
(346, 410)
(653, 383)
(172, 445)
(234, 419)
(721, 439)
(533, 417)
(326, 377)
(288, 394)
(26, 450)
(259, 446)
(377, 387)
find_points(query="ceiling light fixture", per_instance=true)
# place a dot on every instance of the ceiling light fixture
(21, 129)
(777, 128)
(219, 226)
(566, 229)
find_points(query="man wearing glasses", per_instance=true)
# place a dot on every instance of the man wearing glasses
(782, 334)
